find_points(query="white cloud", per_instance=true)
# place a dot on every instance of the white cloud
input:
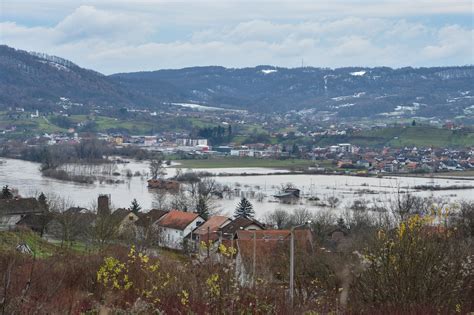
(115, 40)
(453, 41)
(87, 22)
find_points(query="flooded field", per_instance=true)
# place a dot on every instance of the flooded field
(27, 178)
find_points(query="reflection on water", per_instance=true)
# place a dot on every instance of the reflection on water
(26, 177)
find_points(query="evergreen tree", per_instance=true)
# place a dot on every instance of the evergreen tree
(135, 207)
(229, 133)
(6, 193)
(244, 208)
(413, 123)
(294, 149)
(202, 208)
(43, 201)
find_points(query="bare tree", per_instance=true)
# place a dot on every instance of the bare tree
(105, 228)
(148, 235)
(323, 223)
(285, 186)
(407, 204)
(181, 201)
(333, 201)
(67, 221)
(156, 169)
(300, 216)
(463, 219)
(279, 218)
(7, 263)
(160, 197)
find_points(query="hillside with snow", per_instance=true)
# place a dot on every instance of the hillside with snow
(39, 81)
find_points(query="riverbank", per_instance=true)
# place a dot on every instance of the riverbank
(300, 166)
(289, 164)
(459, 175)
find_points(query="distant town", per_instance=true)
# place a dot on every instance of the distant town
(371, 148)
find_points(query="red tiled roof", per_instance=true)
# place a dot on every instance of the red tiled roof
(213, 223)
(178, 220)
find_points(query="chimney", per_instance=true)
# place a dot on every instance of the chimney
(103, 203)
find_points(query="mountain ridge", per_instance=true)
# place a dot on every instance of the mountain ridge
(37, 80)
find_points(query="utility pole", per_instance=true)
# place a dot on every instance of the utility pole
(292, 265)
(254, 255)
(207, 245)
(292, 261)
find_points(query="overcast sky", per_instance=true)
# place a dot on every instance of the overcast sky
(123, 36)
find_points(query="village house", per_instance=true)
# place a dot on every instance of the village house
(37, 222)
(288, 195)
(209, 233)
(211, 230)
(13, 210)
(126, 222)
(146, 227)
(240, 223)
(149, 218)
(175, 226)
(73, 223)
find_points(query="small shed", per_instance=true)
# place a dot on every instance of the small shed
(288, 195)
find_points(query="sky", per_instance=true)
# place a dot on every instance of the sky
(124, 36)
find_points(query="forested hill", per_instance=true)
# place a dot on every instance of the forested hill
(33, 80)
(346, 91)
(39, 81)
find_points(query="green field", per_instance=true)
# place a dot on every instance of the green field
(421, 136)
(247, 162)
(103, 124)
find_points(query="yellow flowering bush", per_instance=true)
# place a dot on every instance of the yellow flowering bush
(213, 285)
(227, 251)
(419, 264)
(148, 281)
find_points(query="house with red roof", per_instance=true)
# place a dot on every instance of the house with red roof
(240, 223)
(210, 230)
(175, 226)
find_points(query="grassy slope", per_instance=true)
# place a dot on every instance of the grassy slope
(9, 240)
(42, 248)
(414, 136)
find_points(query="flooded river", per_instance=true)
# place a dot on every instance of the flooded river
(26, 177)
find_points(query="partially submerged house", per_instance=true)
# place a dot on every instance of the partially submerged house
(13, 211)
(288, 195)
(175, 226)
